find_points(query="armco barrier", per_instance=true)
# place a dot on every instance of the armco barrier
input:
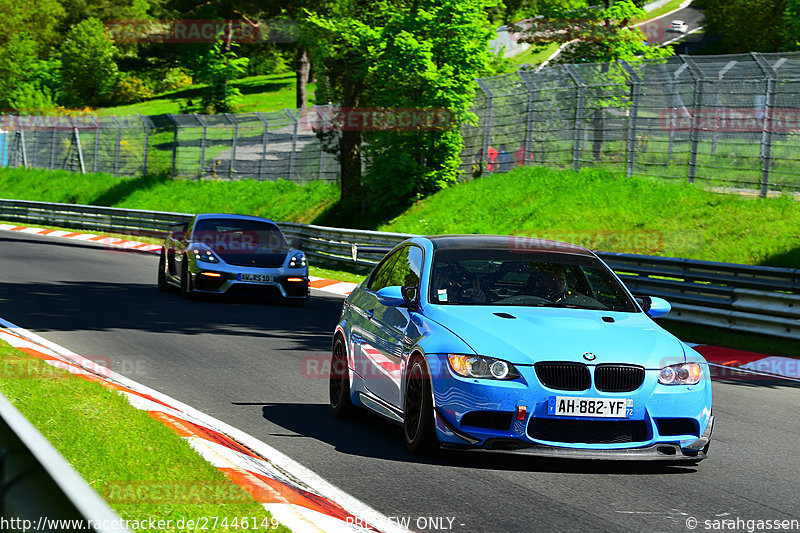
(744, 298)
(39, 488)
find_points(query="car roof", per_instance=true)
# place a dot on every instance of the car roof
(505, 242)
(230, 216)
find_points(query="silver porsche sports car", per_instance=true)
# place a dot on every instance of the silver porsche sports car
(235, 255)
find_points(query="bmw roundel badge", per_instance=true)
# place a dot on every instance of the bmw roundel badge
(589, 356)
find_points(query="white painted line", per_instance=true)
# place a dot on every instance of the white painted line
(683, 36)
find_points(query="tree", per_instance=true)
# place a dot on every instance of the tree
(89, 71)
(217, 68)
(753, 25)
(427, 62)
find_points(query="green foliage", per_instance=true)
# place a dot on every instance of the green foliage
(131, 88)
(173, 79)
(754, 25)
(217, 68)
(607, 37)
(428, 60)
(89, 71)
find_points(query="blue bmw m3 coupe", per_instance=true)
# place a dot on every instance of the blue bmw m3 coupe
(516, 344)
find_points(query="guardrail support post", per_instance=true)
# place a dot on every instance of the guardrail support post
(767, 124)
(579, 107)
(53, 145)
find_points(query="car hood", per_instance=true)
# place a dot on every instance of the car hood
(552, 334)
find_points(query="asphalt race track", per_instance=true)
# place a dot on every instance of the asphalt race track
(241, 362)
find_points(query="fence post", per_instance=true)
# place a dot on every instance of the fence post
(694, 135)
(529, 119)
(633, 115)
(53, 145)
(487, 125)
(294, 143)
(203, 123)
(174, 144)
(767, 126)
(263, 145)
(232, 120)
(77, 138)
(580, 97)
(21, 137)
(117, 147)
(146, 150)
(96, 144)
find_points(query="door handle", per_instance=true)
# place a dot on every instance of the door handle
(370, 313)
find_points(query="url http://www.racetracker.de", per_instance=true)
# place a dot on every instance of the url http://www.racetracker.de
(199, 523)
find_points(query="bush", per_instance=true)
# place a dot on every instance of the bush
(131, 88)
(174, 79)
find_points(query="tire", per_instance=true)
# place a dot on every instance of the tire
(418, 422)
(186, 291)
(339, 382)
(163, 286)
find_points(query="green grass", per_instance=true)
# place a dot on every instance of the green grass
(278, 200)
(731, 339)
(534, 55)
(271, 92)
(341, 275)
(666, 8)
(685, 220)
(117, 448)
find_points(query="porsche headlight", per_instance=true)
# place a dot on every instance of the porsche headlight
(298, 260)
(205, 255)
(476, 366)
(682, 374)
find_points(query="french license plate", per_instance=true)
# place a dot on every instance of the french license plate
(590, 407)
(255, 278)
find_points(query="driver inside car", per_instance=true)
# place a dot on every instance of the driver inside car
(459, 286)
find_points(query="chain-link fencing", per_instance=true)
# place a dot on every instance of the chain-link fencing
(729, 121)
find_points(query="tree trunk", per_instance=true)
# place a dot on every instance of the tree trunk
(301, 76)
(350, 151)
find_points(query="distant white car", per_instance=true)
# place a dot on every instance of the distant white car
(678, 26)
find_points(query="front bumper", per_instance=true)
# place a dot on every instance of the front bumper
(667, 422)
(225, 279)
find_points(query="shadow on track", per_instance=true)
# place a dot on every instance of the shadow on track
(96, 306)
(369, 435)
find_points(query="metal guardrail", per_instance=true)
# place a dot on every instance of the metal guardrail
(745, 298)
(39, 489)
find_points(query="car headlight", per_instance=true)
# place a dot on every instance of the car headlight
(682, 374)
(205, 255)
(298, 260)
(475, 366)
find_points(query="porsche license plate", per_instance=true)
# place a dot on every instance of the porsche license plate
(590, 407)
(255, 278)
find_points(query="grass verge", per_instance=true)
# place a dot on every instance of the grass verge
(118, 449)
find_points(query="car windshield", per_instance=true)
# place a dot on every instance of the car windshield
(231, 234)
(530, 279)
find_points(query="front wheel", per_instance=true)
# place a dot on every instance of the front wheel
(162, 278)
(339, 384)
(186, 291)
(418, 421)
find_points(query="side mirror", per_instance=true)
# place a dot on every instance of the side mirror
(296, 244)
(391, 296)
(654, 307)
